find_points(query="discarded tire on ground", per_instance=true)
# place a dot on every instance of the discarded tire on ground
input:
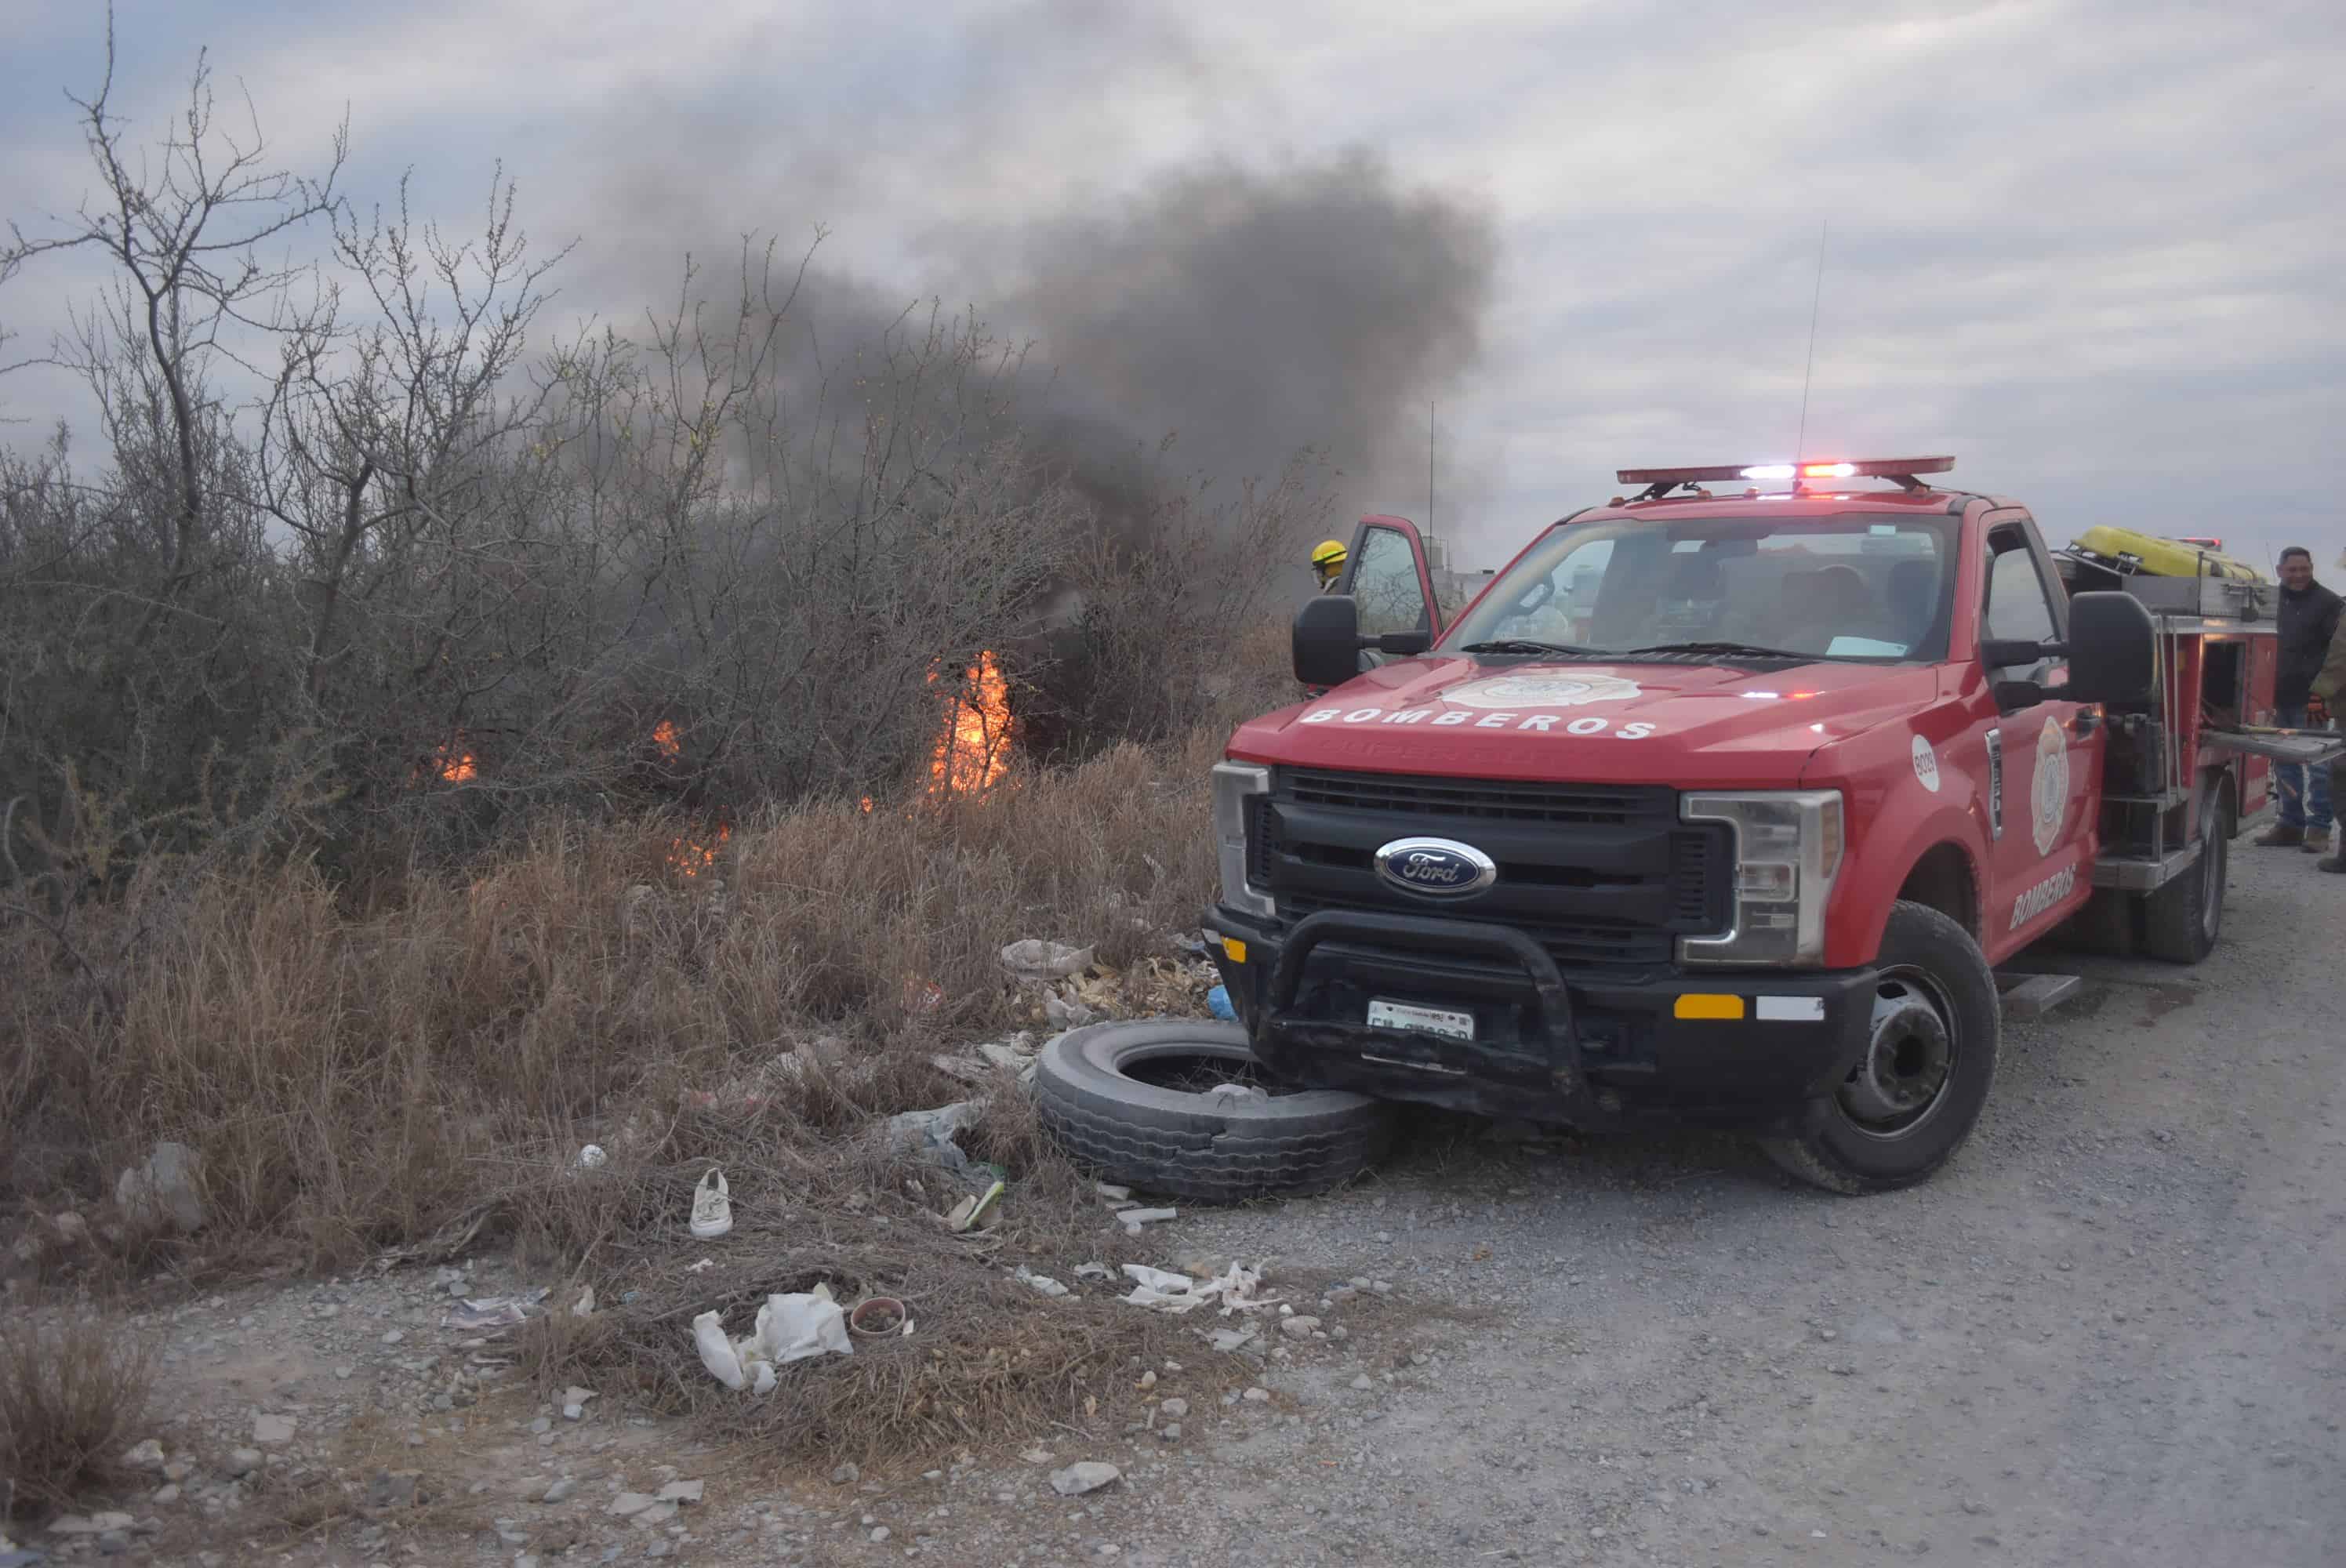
(1181, 1107)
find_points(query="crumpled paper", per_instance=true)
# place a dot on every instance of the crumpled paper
(789, 1329)
(1169, 1292)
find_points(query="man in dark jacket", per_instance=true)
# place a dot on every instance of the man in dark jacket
(2330, 687)
(2307, 621)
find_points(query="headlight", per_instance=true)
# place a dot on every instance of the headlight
(1788, 849)
(1236, 785)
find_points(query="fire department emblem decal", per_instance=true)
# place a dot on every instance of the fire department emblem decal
(1521, 691)
(2048, 795)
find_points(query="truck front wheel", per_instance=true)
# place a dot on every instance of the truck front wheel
(1930, 1055)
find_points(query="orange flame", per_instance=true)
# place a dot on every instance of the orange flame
(974, 752)
(664, 736)
(455, 767)
(691, 857)
(867, 804)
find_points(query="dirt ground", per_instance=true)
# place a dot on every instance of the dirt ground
(2113, 1332)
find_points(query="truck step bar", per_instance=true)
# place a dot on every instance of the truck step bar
(2027, 996)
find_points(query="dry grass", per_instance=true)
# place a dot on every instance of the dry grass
(373, 1083)
(356, 1080)
(73, 1395)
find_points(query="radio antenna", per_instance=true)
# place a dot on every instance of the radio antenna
(1799, 442)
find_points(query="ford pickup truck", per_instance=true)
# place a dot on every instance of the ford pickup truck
(1725, 808)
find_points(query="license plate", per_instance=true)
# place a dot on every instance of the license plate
(1428, 1020)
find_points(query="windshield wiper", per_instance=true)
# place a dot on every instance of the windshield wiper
(1526, 646)
(1749, 650)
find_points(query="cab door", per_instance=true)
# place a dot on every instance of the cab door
(1389, 579)
(2044, 756)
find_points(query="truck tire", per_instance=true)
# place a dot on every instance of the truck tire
(2181, 921)
(1139, 1103)
(1911, 1100)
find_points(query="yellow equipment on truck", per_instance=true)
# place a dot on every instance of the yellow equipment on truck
(2126, 552)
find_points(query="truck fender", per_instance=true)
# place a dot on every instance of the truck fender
(1879, 867)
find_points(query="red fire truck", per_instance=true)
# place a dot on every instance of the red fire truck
(1725, 807)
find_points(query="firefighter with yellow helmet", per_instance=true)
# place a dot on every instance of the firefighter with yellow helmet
(1328, 561)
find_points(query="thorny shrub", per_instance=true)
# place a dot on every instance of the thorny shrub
(73, 1396)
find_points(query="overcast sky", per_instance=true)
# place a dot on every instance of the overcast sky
(2092, 250)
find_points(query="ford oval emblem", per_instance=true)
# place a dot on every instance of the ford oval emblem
(1436, 867)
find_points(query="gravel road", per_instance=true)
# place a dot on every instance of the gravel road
(2109, 1333)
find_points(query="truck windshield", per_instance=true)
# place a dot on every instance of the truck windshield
(1856, 586)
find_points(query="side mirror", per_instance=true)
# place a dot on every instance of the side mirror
(2113, 655)
(1401, 645)
(1327, 640)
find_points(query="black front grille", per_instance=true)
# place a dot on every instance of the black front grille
(1493, 800)
(1605, 877)
(1694, 888)
(1574, 945)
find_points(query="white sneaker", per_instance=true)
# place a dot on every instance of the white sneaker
(712, 1206)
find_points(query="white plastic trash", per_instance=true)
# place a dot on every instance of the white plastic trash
(712, 1208)
(591, 1156)
(716, 1350)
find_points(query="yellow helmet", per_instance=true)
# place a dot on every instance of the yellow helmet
(1328, 557)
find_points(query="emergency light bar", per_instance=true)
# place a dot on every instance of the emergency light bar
(1899, 468)
(1660, 481)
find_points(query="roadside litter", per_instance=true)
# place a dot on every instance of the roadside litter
(712, 1206)
(1217, 1003)
(1041, 1282)
(929, 1134)
(1065, 1013)
(973, 1210)
(1036, 960)
(1165, 1291)
(478, 1312)
(878, 1316)
(789, 1329)
(591, 1157)
(1132, 1219)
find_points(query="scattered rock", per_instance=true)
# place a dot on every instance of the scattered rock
(879, 1534)
(1088, 1475)
(148, 1456)
(1175, 1409)
(394, 1336)
(562, 1491)
(846, 1474)
(392, 1489)
(574, 1402)
(165, 1190)
(270, 1431)
(1298, 1327)
(165, 1496)
(1363, 1382)
(1172, 1433)
(1257, 1394)
(627, 1504)
(241, 1463)
(658, 1515)
(90, 1523)
(680, 1491)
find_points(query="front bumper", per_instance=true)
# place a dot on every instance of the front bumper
(1586, 1051)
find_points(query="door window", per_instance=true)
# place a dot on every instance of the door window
(2019, 603)
(1385, 584)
